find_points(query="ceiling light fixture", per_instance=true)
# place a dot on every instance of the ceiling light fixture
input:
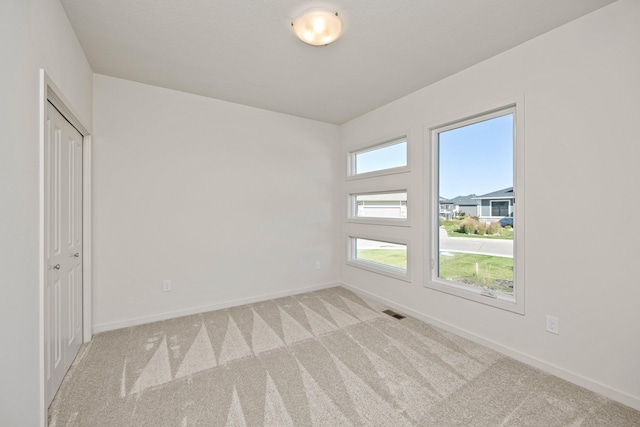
(318, 27)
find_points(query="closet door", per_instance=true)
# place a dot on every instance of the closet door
(63, 246)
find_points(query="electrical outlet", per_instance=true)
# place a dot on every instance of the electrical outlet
(553, 324)
(166, 285)
(317, 265)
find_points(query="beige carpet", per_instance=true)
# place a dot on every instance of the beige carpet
(326, 358)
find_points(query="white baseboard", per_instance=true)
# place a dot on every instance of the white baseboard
(572, 377)
(103, 327)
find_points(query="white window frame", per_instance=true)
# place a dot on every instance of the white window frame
(515, 303)
(352, 210)
(351, 159)
(394, 272)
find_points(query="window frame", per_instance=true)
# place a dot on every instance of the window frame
(515, 303)
(394, 272)
(352, 210)
(351, 159)
(492, 201)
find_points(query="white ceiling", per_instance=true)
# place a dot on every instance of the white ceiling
(245, 51)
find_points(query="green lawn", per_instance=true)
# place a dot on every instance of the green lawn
(493, 272)
(452, 231)
(392, 257)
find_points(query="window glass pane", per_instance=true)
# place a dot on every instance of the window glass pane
(387, 157)
(383, 253)
(475, 167)
(381, 205)
(500, 208)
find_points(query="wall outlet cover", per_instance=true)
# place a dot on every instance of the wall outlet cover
(553, 324)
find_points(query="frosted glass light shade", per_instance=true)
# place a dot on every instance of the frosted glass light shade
(318, 27)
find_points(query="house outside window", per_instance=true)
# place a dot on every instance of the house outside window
(496, 205)
(381, 205)
(446, 209)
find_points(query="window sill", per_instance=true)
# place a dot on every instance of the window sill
(373, 267)
(504, 302)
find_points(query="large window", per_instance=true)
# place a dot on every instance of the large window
(475, 256)
(383, 157)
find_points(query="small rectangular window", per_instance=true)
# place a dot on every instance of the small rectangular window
(389, 258)
(380, 205)
(391, 155)
(384, 253)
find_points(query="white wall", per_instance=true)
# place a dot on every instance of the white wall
(231, 203)
(581, 89)
(200, 228)
(34, 34)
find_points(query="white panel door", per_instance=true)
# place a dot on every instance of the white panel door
(63, 247)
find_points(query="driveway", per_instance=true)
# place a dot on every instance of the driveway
(484, 246)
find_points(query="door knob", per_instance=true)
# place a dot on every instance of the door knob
(56, 267)
(76, 255)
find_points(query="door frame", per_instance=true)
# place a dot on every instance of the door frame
(49, 92)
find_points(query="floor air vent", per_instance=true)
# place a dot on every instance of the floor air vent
(393, 314)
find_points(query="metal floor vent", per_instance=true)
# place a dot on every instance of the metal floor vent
(393, 314)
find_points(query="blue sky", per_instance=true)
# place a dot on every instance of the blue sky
(473, 159)
(477, 158)
(391, 156)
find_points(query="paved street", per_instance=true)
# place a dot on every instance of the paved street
(493, 247)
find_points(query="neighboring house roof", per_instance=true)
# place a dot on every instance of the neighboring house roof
(445, 201)
(465, 200)
(505, 193)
